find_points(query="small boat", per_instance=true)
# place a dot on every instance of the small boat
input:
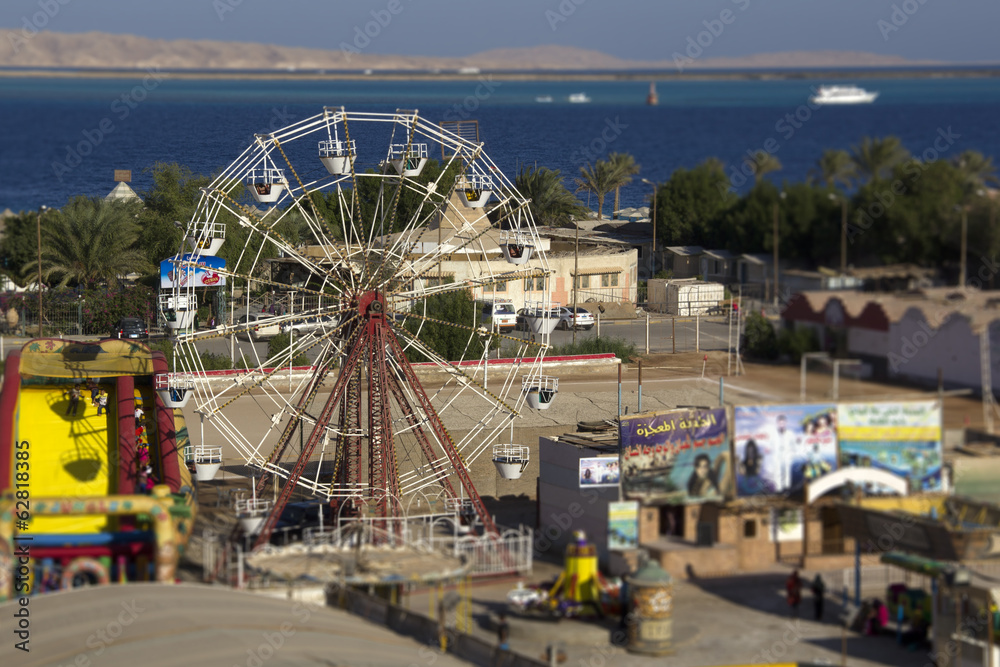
(543, 99)
(843, 95)
(652, 99)
(579, 98)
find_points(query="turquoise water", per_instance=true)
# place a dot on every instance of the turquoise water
(65, 136)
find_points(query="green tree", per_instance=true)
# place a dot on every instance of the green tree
(834, 168)
(761, 341)
(90, 241)
(625, 166)
(449, 342)
(765, 163)
(551, 203)
(690, 205)
(874, 159)
(19, 245)
(168, 207)
(598, 178)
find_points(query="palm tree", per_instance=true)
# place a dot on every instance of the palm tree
(551, 203)
(835, 167)
(874, 158)
(765, 164)
(599, 178)
(977, 171)
(626, 167)
(91, 241)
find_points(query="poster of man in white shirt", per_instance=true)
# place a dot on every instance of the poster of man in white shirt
(781, 447)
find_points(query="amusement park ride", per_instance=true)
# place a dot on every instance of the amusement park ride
(371, 237)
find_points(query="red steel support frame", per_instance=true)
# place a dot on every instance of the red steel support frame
(375, 341)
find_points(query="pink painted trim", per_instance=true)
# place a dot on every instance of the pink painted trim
(8, 417)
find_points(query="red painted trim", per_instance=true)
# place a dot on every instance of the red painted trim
(9, 394)
(68, 553)
(124, 393)
(166, 435)
(491, 362)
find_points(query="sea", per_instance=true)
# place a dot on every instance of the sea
(63, 136)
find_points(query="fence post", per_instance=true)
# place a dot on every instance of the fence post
(673, 333)
(647, 332)
(598, 324)
(697, 333)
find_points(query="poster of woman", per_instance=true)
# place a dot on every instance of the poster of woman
(779, 448)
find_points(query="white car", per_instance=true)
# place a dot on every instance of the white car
(583, 320)
(263, 332)
(309, 324)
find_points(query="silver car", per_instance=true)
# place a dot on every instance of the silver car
(583, 319)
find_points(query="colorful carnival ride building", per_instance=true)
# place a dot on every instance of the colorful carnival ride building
(89, 493)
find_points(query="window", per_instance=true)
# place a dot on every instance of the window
(434, 281)
(750, 528)
(500, 287)
(609, 280)
(534, 284)
(582, 282)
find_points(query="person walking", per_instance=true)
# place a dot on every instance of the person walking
(793, 589)
(503, 639)
(139, 414)
(818, 591)
(102, 402)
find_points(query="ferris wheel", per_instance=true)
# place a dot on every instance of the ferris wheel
(343, 231)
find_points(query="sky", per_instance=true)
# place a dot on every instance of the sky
(955, 31)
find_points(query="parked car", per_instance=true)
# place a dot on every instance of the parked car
(297, 517)
(498, 315)
(266, 330)
(321, 324)
(583, 319)
(130, 327)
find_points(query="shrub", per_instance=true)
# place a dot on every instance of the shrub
(761, 342)
(279, 344)
(796, 342)
(621, 348)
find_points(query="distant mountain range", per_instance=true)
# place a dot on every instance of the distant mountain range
(108, 51)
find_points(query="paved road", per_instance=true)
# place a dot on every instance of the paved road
(709, 334)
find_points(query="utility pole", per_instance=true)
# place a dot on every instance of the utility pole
(962, 259)
(843, 236)
(776, 243)
(652, 254)
(576, 275)
(38, 225)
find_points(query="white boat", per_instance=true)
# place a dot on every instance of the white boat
(842, 95)
(543, 99)
(579, 98)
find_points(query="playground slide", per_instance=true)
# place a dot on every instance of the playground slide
(71, 456)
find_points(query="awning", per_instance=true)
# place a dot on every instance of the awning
(597, 271)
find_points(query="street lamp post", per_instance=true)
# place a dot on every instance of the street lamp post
(776, 241)
(652, 254)
(843, 232)
(38, 226)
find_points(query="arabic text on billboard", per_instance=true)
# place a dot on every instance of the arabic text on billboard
(903, 438)
(779, 448)
(204, 274)
(678, 457)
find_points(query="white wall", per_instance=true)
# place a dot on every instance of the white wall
(563, 507)
(917, 350)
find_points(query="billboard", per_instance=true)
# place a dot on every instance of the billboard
(778, 448)
(205, 274)
(623, 524)
(599, 471)
(678, 457)
(903, 438)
